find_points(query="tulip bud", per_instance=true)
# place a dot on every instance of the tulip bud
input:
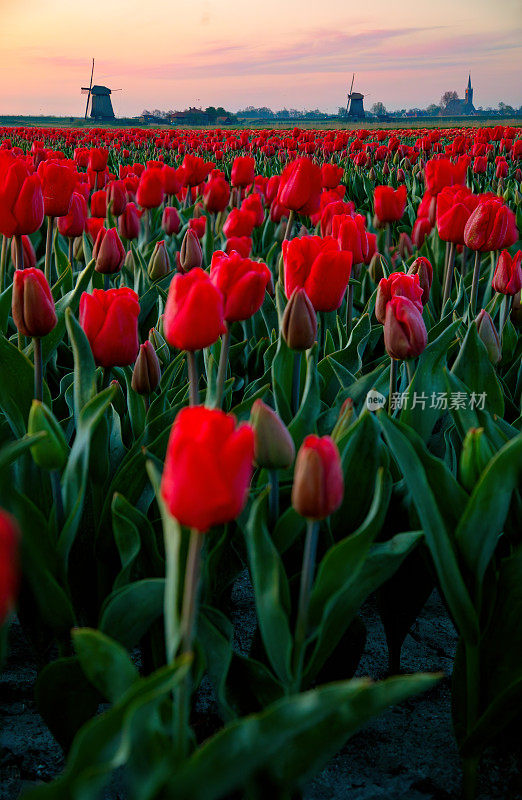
(344, 420)
(29, 255)
(108, 252)
(400, 176)
(318, 486)
(50, 452)
(299, 323)
(404, 330)
(147, 371)
(32, 303)
(160, 346)
(78, 249)
(159, 264)
(170, 221)
(405, 246)
(378, 268)
(130, 262)
(422, 267)
(273, 446)
(474, 458)
(489, 336)
(191, 254)
(371, 174)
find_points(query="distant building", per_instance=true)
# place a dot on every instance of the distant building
(191, 116)
(461, 106)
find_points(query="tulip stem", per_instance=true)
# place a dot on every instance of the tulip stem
(58, 498)
(193, 378)
(222, 369)
(464, 260)
(475, 283)
(307, 577)
(188, 619)
(448, 278)
(38, 374)
(296, 382)
(289, 225)
(273, 498)
(387, 239)
(146, 225)
(393, 383)
(19, 252)
(3, 260)
(409, 370)
(71, 252)
(106, 281)
(349, 310)
(48, 249)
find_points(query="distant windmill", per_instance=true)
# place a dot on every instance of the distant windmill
(355, 103)
(100, 97)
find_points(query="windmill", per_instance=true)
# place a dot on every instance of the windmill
(100, 97)
(355, 103)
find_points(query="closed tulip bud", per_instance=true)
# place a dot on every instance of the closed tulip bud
(159, 264)
(160, 346)
(116, 197)
(378, 268)
(489, 336)
(32, 305)
(29, 255)
(129, 222)
(400, 176)
(508, 273)
(318, 486)
(474, 458)
(273, 446)
(147, 371)
(170, 221)
(422, 267)
(299, 323)
(344, 420)
(404, 330)
(78, 249)
(191, 254)
(130, 262)
(372, 174)
(405, 246)
(51, 451)
(108, 252)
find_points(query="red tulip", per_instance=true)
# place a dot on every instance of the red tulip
(110, 322)
(216, 195)
(198, 225)
(9, 538)
(98, 158)
(405, 334)
(108, 252)
(150, 189)
(73, 224)
(318, 487)
(170, 221)
(242, 283)
(58, 185)
(243, 171)
(351, 235)
(318, 266)
(442, 172)
(29, 254)
(21, 197)
(129, 222)
(399, 284)
(389, 203)
(32, 303)
(208, 467)
(491, 226)
(99, 204)
(421, 228)
(241, 244)
(300, 186)
(508, 273)
(116, 197)
(331, 175)
(239, 223)
(422, 267)
(254, 205)
(194, 170)
(194, 311)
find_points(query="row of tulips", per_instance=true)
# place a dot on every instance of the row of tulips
(154, 397)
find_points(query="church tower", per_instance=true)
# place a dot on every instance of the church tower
(469, 93)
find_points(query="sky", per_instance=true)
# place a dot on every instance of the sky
(278, 53)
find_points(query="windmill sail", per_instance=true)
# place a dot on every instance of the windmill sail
(88, 91)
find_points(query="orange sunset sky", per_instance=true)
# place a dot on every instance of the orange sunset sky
(280, 53)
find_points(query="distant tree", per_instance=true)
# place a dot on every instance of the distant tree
(447, 98)
(379, 109)
(505, 108)
(342, 111)
(433, 109)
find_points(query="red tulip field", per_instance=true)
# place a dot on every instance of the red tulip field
(260, 441)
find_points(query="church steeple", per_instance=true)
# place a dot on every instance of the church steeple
(468, 96)
(469, 81)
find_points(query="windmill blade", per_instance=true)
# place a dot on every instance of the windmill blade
(351, 87)
(89, 91)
